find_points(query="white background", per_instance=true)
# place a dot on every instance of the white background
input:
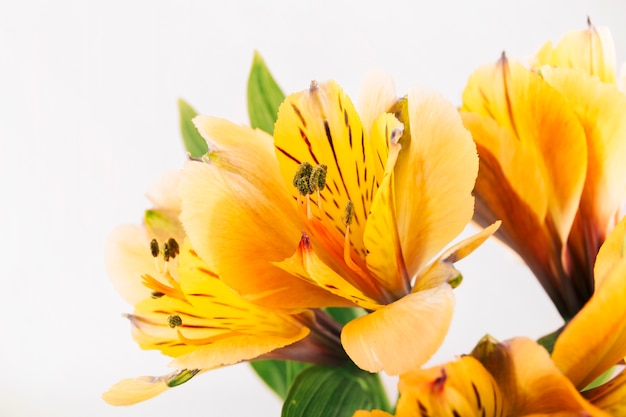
(88, 120)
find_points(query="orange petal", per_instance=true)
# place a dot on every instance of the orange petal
(459, 388)
(600, 108)
(542, 149)
(434, 178)
(234, 349)
(321, 126)
(307, 265)
(241, 222)
(612, 250)
(373, 413)
(591, 50)
(595, 339)
(402, 335)
(529, 380)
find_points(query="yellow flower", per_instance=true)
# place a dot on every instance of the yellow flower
(341, 210)
(518, 377)
(551, 146)
(185, 311)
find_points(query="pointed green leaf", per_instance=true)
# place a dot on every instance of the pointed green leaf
(278, 375)
(194, 143)
(321, 391)
(264, 96)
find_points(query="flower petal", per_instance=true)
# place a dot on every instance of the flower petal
(591, 50)
(543, 151)
(459, 388)
(133, 390)
(321, 126)
(529, 380)
(595, 339)
(239, 218)
(402, 335)
(234, 349)
(600, 108)
(377, 95)
(438, 163)
(612, 250)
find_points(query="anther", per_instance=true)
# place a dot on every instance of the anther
(154, 248)
(174, 248)
(301, 179)
(314, 85)
(167, 252)
(317, 181)
(348, 213)
(396, 134)
(174, 321)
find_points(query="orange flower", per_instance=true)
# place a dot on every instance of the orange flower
(339, 210)
(551, 145)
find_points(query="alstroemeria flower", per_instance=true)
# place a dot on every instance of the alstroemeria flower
(518, 377)
(339, 210)
(551, 144)
(185, 311)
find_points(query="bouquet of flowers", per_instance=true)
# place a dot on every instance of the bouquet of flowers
(316, 243)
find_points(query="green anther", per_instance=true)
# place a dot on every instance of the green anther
(348, 213)
(154, 248)
(317, 181)
(302, 177)
(174, 321)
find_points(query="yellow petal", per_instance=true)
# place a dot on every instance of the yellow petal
(377, 95)
(321, 126)
(402, 335)
(459, 388)
(384, 257)
(591, 50)
(529, 380)
(307, 265)
(434, 178)
(442, 270)
(164, 193)
(595, 339)
(133, 390)
(600, 108)
(239, 217)
(611, 396)
(128, 258)
(542, 148)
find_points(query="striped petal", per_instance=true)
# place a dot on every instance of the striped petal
(320, 126)
(239, 218)
(402, 335)
(459, 388)
(611, 396)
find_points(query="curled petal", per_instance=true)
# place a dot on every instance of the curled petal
(402, 335)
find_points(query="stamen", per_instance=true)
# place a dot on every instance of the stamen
(174, 321)
(167, 252)
(396, 134)
(317, 181)
(174, 248)
(314, 85)
(348, 214)
(301, 179)
(154, 248)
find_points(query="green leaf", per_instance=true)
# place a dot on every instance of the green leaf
(345, 314)
(321, 391)
(278, 375)
(264, 96)
(549, 340)
(194, 143)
